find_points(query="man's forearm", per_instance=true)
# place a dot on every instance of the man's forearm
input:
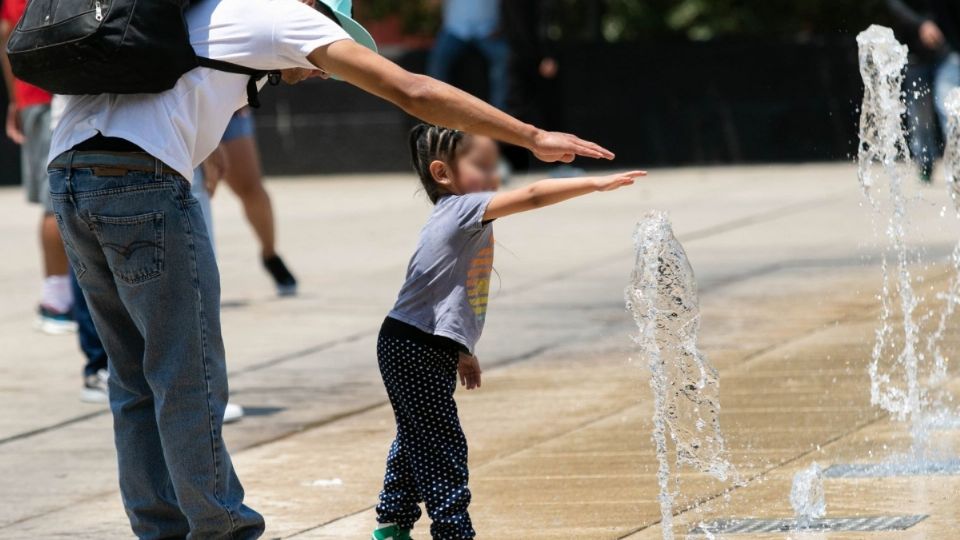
(420, 96)
(436, 102)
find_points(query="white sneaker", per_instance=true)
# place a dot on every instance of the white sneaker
(95, 387)
(232, 413)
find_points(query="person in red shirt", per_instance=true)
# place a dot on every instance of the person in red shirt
(28, 124)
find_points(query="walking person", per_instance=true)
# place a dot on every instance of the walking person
(472, 23)
(430, 335)
(946, 19)
(244, 176)
(534, 93)
(928, 63)
(28, 124)
(136, 237)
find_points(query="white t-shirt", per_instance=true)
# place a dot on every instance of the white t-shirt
(183, 125)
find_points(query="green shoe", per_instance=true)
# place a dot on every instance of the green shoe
(392, 532)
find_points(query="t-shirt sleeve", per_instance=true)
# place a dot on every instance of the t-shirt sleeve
(470, 208)
(7, 13)
(299, 29)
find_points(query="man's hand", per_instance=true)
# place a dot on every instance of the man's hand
(554, 146)
(14, 130)
(930, 35)
(616, 181)
(469, 369)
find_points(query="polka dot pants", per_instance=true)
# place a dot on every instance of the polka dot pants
(428, 459)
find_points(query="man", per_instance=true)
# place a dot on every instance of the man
(473, 23)
(137, 240)
(534, 90)
(28, 124)
(924, 82)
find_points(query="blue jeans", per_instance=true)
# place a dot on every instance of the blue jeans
(946, 77)
(90, 342)
(449, 48)
(137, 242)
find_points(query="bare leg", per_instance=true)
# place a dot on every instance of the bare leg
(244, 177)
(54, 257)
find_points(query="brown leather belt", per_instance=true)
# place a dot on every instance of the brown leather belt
(105, 163)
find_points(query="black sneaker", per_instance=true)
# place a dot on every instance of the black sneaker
(286, 283)
(54, 322)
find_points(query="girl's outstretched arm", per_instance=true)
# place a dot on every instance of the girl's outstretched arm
(547, 192)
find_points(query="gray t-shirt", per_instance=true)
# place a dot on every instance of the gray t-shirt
(448, 278)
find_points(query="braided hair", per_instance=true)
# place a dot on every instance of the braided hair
(429, 143)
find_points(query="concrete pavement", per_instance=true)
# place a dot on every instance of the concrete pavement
(559, 434)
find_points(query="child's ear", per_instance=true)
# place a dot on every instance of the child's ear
(440, 172)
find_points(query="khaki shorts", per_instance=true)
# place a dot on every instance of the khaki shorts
(35, 121)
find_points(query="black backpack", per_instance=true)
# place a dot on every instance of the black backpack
(110, 47)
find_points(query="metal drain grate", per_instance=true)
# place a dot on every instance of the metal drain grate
(875, 470)
(860, 524)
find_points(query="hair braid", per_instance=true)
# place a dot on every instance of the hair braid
(429, 143)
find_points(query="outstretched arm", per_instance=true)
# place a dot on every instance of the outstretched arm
(12, 122)
(547, 192)
(439, 103)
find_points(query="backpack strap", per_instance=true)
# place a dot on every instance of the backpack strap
(255, 75)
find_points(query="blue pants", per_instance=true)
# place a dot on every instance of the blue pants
(449, 48)
(90, 342)
(428, 459)
(137, 242)
(946, 77)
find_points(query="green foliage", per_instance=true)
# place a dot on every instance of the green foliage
(418, 17)
(699, 20)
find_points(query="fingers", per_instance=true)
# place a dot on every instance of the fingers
(469, 375)
(594, 150)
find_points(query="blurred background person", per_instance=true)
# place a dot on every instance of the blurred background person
(472, 23)
(242, 172)
(914, 25)
(28, 124)
(534, 91)
(946, 20)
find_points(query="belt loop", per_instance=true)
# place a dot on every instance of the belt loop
(157, 169)
(69, 174)
(70, 154)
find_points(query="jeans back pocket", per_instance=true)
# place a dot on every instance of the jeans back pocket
(132, 245)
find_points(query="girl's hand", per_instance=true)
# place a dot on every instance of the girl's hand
(614, 181)
(469, 369)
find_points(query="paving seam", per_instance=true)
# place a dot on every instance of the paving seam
(832, 440)
(748, 358)
(696, 235)
(742, 362)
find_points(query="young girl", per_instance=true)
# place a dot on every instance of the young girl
(429, 336)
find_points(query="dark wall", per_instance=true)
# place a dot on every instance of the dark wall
(654, 104)
(9, 152)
